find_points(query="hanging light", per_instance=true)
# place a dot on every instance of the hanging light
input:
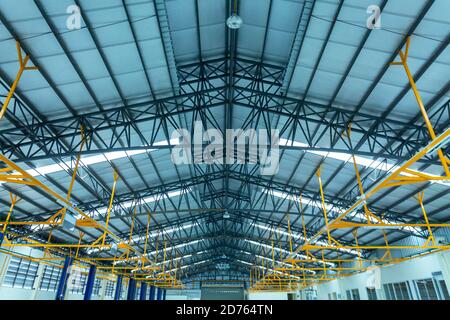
(234, 21)
(226, 215)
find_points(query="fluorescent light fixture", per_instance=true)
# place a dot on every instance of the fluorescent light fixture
(336, 209)
(91, 160)
(346, 157)
(130, 204)
(283, 251)
(165, 231)
(182, 245)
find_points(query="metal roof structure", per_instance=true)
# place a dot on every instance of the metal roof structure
(138, 70)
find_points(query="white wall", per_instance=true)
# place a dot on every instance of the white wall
(187, 294)
(267, 296)
(415, 269)
(419, 268)
(8, 293)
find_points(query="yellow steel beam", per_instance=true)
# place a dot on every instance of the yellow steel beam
(381, 185)
(404, 63)
(23, 66)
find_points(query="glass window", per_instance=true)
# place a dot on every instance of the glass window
(426, 289)
(372, 293)
(97, 287)
(349, 295)
(397, 291)
(441, 286)
(444, 290)
(386, 292)
(110, 287)
(138, 293)
(21, 273)
(355, 294)
(77, 282)
(50, 278)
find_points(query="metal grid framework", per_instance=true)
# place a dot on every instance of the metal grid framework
(182, 234)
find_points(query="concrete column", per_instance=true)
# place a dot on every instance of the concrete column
(90, 283)
(152, 293)
(143, 293)
(159, 294)
(62, 285)
(131, 289)
(118, 288)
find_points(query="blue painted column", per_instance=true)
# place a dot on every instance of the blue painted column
(164, 294)
(159, 294)
(90, 282)
(152, 293)
(143, 293)
(131, 289)
(2, 235)
(118, 288)
(62, 285)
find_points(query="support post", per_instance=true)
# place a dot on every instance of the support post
(62, 285)
(143, 293)
(164, 294)
(131, 289)
(159, 294)
(90, 282)
(152, 293)
(118, 288)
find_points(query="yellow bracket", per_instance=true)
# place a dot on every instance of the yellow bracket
(84, 223)
(116, 177)
(23, 67)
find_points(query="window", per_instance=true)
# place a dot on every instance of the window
(109, 290)
(124, 291)
(77, 282)
(389, 291)
(97, 287)
(349, 295)
(50, 278)
(355, 294)
(443, 287)
(397, 291)
(137, 293)
(426, 289)
(372, 293)
(21, 273)
(401, 291)
(332, 296)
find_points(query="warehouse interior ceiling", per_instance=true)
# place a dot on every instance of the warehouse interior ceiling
(138, 70)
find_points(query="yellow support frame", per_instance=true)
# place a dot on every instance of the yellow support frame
(22, 67)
